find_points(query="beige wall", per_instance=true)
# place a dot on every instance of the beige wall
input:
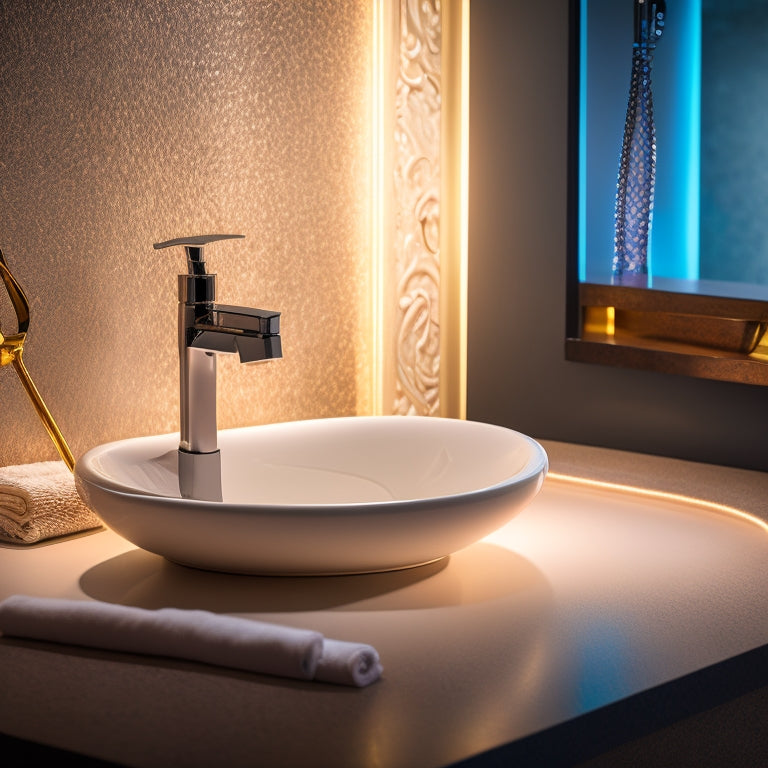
(126, 123)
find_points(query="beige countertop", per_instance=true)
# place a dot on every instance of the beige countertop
(590, 597)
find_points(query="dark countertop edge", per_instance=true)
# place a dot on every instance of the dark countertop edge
(603, 730)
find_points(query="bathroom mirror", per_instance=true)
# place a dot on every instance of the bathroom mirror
(702, 307)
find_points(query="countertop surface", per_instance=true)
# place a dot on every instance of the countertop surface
(591, 596)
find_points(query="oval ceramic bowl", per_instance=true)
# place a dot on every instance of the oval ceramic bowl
(326, 496)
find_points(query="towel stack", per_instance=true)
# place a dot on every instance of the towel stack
(211, 638)
(39, 501)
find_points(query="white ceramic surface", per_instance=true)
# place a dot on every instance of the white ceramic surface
(327, 496)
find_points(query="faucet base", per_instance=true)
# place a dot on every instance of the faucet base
(200, 475)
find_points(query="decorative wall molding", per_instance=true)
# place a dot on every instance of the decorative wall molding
(417, 171)
(422, 316)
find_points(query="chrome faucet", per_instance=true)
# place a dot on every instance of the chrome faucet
(205, 330)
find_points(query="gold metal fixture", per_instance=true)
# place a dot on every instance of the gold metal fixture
(11, 351)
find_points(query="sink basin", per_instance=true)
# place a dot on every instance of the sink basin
(327, 496)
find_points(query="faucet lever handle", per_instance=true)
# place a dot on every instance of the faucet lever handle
(194, 249)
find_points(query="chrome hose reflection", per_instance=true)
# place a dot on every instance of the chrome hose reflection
(637, 166)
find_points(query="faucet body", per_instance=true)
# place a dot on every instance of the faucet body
(207, 329)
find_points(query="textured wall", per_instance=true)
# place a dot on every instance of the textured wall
(127, 122)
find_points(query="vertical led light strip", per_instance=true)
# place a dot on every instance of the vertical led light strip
(420, 109)
(386, 53)
(693, 145)
(378, 131)
(454, 209)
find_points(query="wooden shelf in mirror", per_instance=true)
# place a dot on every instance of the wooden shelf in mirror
(688, 334)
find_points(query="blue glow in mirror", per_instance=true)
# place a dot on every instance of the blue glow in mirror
(606, 45)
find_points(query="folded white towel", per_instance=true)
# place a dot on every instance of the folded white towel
(39, 501)
(226, 641)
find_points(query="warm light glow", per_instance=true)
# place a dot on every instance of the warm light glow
(454, 210)
(378, 131)
(711, 506)
(464, 213)
(760, 351)
(600, 320)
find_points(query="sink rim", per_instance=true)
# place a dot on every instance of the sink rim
(536, 464)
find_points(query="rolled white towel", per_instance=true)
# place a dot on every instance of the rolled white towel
(226, 641)
(348, 663)
(39, 501)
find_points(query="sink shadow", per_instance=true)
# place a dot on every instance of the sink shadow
(477, 574)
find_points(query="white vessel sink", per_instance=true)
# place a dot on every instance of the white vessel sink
(327, 496)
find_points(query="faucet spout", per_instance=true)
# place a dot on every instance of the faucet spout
(254, 334)
(205, 330)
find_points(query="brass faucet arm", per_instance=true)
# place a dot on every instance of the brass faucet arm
(11, 353)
